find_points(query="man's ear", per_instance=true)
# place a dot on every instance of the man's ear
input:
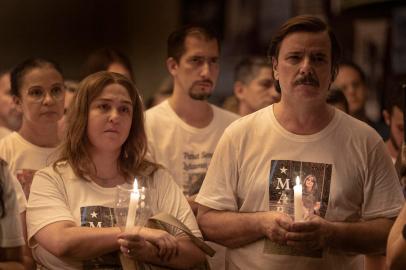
(172, 65)
(239, 90)
(17, 102)
(275, 68)
(386, 117)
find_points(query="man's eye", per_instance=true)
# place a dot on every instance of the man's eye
(214, 60)
(196, 60)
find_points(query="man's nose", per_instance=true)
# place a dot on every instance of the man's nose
(205, 70)
(306, 66)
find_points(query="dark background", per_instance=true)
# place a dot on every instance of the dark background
(68, 30)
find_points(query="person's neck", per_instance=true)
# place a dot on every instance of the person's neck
(196, 113)
(107, 173)
(4, 123)
(391, 148)
(303, 120)
(244, 110)
(42, 136)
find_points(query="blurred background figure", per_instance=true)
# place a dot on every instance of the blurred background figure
(164, 91)
(393, 116)
(37, 86)
(336, 98)
(70, 90)
(108, 59)
(10, 118)
(254, 86)
(352, 81)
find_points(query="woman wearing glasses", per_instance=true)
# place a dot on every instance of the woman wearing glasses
(37, 87)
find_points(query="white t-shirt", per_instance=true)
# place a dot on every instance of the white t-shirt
(4, 132)
(63, 197)
(184, 150)
(24, 158)
(255, 164)
(11, 234)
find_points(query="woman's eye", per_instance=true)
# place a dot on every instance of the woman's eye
(56, 91)
(103, 107)
(125, 109)
(36, 92)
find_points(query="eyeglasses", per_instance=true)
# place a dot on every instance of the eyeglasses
(37, 95)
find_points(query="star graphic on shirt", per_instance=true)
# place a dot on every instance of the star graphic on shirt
(93, 214)
(283, 170)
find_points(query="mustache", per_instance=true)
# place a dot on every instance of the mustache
(308, 80)
(204, 81)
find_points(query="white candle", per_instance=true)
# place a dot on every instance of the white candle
(298, 203)
(133, 205)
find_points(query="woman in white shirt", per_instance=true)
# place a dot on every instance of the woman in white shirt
(70, 210)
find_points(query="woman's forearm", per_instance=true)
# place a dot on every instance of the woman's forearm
(79, 243)
(189, 255)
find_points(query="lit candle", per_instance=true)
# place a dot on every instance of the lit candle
(132, 207)
(298, 203)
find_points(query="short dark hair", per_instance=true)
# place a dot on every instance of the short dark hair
(336, 96)
(101, 59)
(176, 40)
(396, 97)
(357, 68)
(247, 69)
(306, 23)
(19, 71)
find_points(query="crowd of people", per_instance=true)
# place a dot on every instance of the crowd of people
(296, 122)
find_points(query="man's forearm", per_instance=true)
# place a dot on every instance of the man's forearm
(367, 237)
(230, 229)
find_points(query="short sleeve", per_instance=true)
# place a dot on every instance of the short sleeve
(11, 234)
(172, 201)
(219, 187)
(47, 202)
(383, 195)
(21, 200)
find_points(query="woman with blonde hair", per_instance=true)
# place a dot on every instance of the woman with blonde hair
(70, 210)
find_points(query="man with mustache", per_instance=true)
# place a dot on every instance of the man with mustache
(183, 130)
(251, 200)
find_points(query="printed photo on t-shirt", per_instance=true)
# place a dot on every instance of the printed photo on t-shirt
(99, 217)
(311, 183)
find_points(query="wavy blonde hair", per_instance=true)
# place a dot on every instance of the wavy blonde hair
(74, 148)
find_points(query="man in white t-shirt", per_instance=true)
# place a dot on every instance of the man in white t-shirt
(346, 192)
(183, 130)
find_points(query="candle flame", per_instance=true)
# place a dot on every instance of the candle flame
(297, 180)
